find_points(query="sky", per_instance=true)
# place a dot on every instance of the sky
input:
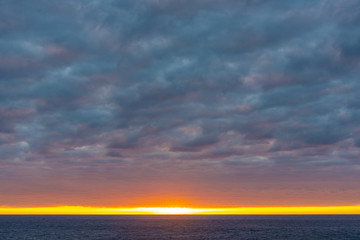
(179, 103)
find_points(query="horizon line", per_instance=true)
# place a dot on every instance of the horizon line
(90, 210)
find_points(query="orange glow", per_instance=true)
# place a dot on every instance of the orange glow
(79, 210)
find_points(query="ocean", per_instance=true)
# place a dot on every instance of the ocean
(294, 227)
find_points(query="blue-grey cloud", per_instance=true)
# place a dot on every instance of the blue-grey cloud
(258, 85)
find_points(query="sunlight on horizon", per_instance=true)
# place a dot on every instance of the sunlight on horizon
(82, 210)
(169, 210)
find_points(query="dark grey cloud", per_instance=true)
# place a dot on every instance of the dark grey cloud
(223, 83)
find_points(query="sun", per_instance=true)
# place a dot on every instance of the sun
(170, 210)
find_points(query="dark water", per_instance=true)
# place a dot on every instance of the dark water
(181, 227)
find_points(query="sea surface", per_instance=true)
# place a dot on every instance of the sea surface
(304, 227)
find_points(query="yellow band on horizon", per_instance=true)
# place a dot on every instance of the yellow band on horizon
(80, 210)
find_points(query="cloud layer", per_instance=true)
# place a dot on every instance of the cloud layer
(251, 95)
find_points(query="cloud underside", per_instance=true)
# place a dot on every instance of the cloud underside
(169, 85)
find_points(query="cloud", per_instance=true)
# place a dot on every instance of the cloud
(224, 83)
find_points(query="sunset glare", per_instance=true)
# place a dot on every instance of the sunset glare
(78, 210)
